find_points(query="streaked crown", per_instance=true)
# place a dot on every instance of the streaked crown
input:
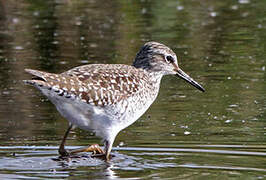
(156, 57)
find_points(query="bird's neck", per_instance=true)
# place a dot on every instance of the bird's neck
(155, 79)
(154, 76)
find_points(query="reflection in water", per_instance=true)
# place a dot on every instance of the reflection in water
(185, 134)
(44, 23)
(40, 161)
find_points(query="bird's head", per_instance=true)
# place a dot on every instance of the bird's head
(157, 58)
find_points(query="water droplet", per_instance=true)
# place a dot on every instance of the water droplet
(84, 61)
(15, 20)
(93, 45)
(245, 14)
(187, 132)
(243, 1)
(233, 105)
(184, 126)
(234, 7)
(121, 143)
(36, 13)
(213, 14)
(6, 92)
(63, 62)
(18, 47)
(228, 121)
(179, 8)
(144, 11)
(78, 23)
(10, 101)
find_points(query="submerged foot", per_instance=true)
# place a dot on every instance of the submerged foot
(63, 152)
(95, 149)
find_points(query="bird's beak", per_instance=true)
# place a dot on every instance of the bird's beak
(186, 77)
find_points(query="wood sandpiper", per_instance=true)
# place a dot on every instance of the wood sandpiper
(106, 98)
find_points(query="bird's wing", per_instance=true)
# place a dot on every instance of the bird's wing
(101, 84)
(97, 84)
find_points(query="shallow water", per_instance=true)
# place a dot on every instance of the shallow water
(185, 134)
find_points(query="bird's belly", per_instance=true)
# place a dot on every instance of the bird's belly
(101, 120)
(80, 114)
(76, 114)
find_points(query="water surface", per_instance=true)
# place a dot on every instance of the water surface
(185, 134)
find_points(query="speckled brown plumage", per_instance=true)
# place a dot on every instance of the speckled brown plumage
(96, 84)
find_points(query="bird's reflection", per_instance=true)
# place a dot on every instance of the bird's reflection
(89, 161)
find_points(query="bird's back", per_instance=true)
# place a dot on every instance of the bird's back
(96, 84)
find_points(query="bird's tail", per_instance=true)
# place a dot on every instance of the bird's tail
(40, 78)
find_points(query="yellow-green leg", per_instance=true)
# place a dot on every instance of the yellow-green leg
(95, 148)
(62, 151)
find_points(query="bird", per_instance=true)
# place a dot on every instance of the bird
(107, 98)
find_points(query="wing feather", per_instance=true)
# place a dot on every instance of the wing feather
(96, 84)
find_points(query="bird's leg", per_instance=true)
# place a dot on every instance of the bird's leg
(62, 151)
(108, 147)
(96, 150)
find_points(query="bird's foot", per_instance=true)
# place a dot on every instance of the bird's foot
(63, 152)
(94, 148)
(97, 152)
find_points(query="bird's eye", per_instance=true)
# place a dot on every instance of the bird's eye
(170, 59)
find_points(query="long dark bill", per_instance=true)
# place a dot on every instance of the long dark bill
(191, 81)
